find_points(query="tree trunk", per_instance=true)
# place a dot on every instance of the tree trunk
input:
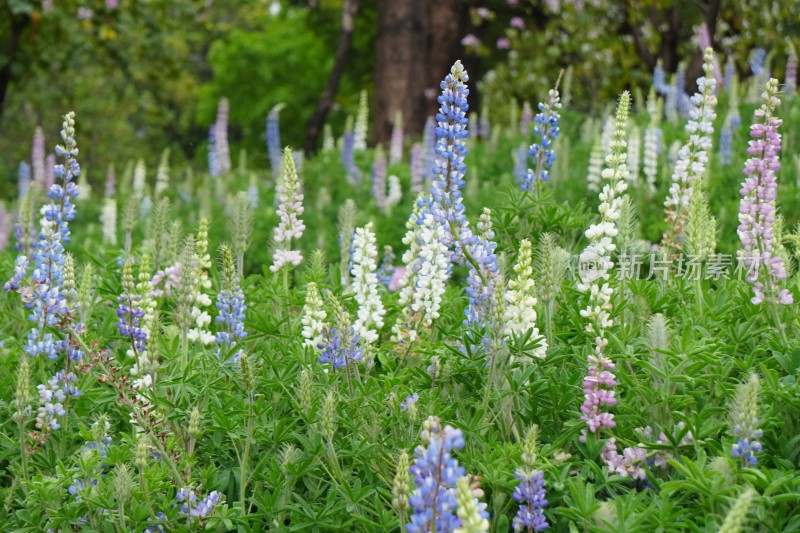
(317, 121)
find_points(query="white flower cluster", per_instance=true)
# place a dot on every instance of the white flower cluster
(634, 151)
(595, 260)
(595, 166)
(362, 121)
(693, 155)
(291, 207)
(365, 285)
(108, 219)
(314, 316)
(395, 193)
(652, 141)
(201, 300)
(520, 312)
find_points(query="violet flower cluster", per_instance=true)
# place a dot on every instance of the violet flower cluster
(274, 140)
(436, 471)
(757, 207)
(340, 347)
(231, 306)
(51, 400)
(545, 127)
(197, 508)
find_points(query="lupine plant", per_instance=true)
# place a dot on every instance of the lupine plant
(469, 359)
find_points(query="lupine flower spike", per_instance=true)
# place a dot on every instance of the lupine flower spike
(365, 285)
(290, 226)
(595, 273)
(545, 127)
(693, 156)
(765, 268)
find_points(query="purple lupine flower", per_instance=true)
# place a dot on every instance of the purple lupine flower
(51, 398)
(429, 149)
(482, 276)
(396, 143)
(409, 402)
(194, 508)
(49, 170)
(532, 497)
(23, 179)
(417, 169)
(757, 207)
(435, 472)
(111, 183)
(379, 178)
(545, 127)
(704, 38)
(232, 308)
(503, 43)
(37, 159)
(744, 423)
(214, 168)
(681, 101)
(5, 227)
(525, 119)
(520, 164)
(660, 80)
(517, 22)
(340, 348)
(757, 59)
(274, 140)
(386, 269)
(348, 156)
(730, 72)
(791, 73)
(130, 312)
(44, 297)
(221, 136)
(726, 143)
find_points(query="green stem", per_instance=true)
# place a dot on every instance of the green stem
(246, 452)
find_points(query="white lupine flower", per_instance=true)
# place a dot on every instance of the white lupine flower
(291, 207)
(139, 179)
(162, 174)
(365, 284)
(362, 121)
(634, 150)
(693, 155)
(108, 219)
(313, 317)
(395, 193)
(595, 166)
(520, 312)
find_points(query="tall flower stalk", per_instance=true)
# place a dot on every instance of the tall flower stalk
(545, 127)
(765, 267)
(595, 274)
(290, 226)
(692, 157)
(365, 285)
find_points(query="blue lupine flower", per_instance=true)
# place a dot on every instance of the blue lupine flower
(410, 401)
(520, 159)
(386, 268)
(531, 495)
(130, 315)
(745, 421)
(157, 528)
(23, 179)
(435, 472)
(214, 168)
(340, 349)
(195, 508)
(429, 148)
(43, 297)
(274, 148)
(757, 61)
(20, 270)
(449, 170)
(660, 80)
(726, 144)
(348, 157)
(545, 127)
(230, 302)
(729, 73)
(51, 398)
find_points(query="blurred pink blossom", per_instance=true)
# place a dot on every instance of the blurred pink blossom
(84, 13)
(503, 43)
(112, 4)
(517, 22)
(471, 41)
(483, 12)
(395, 283)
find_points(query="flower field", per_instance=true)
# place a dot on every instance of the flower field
(554, 321)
